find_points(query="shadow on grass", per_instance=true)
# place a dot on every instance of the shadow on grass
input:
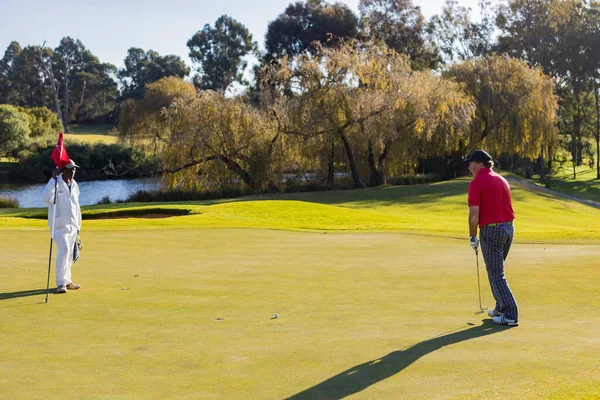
(380, 196)
(24, 293)
(360, 377)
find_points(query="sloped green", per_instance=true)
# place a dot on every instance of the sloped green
(188, 313)
(438, 209)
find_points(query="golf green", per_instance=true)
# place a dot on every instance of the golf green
(188, 313)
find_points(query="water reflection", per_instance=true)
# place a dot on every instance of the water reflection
(91, 192)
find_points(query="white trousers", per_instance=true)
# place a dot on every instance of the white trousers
(65, 240)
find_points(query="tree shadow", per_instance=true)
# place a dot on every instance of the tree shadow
(24, 293)
(380, 196)
(362, 376)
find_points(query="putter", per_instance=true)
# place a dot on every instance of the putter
(481, 309)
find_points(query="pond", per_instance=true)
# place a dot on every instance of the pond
(91, 192)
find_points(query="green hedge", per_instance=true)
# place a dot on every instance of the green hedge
(93, 160)
(144, 196)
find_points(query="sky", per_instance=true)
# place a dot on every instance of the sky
(109, 27)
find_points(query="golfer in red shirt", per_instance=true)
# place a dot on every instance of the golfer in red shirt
(490, 209)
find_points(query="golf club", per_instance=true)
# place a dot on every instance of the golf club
(481, 309)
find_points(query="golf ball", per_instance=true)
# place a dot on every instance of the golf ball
(276, 315)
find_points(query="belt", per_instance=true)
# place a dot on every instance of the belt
(500, 224)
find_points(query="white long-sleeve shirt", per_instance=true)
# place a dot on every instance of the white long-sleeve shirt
(68, 212)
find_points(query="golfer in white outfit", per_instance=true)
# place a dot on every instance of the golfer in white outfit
(67, 222)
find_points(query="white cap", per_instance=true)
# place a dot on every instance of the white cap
(71, 164)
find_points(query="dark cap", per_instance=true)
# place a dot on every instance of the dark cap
(479, 156)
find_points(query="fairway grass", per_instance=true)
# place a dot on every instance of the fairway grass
(434, 210)
(91, 134)
(91, 139)
(186, 313)
(376, 292)
(585, 186)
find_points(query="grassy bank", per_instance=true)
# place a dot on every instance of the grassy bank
(433, 209)
(375, 291)
(585, 185)
(90, 133)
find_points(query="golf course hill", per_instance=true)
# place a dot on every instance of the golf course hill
(438, 209)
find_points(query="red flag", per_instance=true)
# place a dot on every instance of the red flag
(59, 155)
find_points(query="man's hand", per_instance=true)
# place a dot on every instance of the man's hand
(474, 242)
(55, 173)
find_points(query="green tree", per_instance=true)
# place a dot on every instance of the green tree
(216, 141)
(43, 124)
(401, 26)
(303, 23)
(458, 37)
(138, 121)
(220, 51)
(322, 97)
(40, 129)
(72, 73)
(21, 79)
(203, 139)
(6, 69)
(69, 79)
(367, 98)
(592, 44)
(429, 118)
(573, 65)
(555, 35)
(14, 130)
(516, 106)
(98, 91)
(67, 62)
(529, 31)
(142, 68)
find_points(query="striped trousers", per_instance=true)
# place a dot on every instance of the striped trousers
(495, 244)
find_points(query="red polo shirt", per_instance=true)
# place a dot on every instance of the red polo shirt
(491, 193)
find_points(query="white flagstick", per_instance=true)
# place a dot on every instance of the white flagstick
(51, 236)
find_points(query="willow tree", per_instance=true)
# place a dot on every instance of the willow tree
(216, 141)
(331, 92)
(366, 97)
(516, 106)
(140, 120)
(429, 116)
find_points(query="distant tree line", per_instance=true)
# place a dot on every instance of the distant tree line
(378, 93)
(98, 161)
(358, 108)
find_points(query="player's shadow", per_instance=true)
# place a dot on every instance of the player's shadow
(362, 376)
(24, 293)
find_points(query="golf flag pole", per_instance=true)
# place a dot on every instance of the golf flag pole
(51, 236)
(60, 158)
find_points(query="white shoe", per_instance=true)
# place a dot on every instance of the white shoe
(73, 286)
(505, 321)
(61, 289)
(493, 313)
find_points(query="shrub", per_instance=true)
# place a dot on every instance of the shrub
(14, 130)
(413, 179)
(8, 202)
(295, 185)
(43, 122)
(144, 196)
(104, 200)
(97, 161)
